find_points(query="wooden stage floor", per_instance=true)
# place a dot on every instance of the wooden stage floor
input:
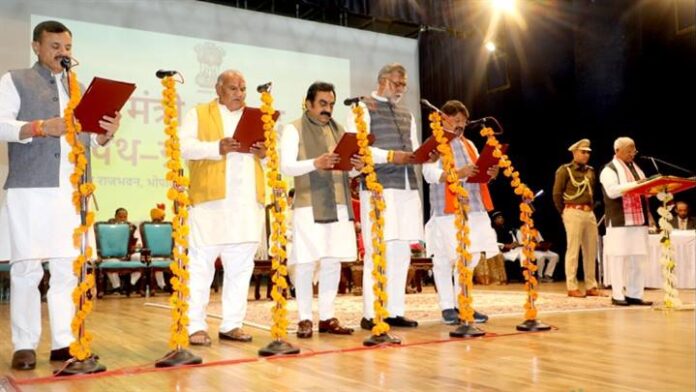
(622, 349)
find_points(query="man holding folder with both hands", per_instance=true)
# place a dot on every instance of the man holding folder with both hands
(38, 207)
(322, 225)
(441, 233)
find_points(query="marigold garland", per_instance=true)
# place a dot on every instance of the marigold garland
(82, 189)
(377, 225)
(671, 299)
(529, 233)
(279, 329)
(461, 208)
(177, 194)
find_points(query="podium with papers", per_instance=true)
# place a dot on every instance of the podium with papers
(659, 183)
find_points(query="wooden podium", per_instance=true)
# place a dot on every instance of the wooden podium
(654, 185)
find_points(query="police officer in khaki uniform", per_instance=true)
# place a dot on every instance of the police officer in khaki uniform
(573, 197)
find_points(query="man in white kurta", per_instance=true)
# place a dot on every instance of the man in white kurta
(396, 137)
(627, 218)
(328, 237)
(441, 232)
(38, 206)
(228, 224)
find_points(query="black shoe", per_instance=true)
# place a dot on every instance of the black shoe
(480, 318)
(61, 354)
(401, 321)
(619, 302)
(24, 360)
(638, 301)
(546, 279)
(450, 316)
(367, 324)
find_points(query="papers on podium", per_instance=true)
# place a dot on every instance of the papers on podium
(484, 162)
(422, 154)
(103, 97)
(658, 183)
(250, 128)
(346, 148)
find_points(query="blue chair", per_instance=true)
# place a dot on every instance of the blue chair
(112, 251)
(157, 248)
(4, 281)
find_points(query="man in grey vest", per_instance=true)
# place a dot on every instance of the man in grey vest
(627, 217)
(322, 221)
(395, 131)
(38, 204)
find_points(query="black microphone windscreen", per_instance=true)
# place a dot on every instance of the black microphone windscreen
(65, 62)
(161, 73)
(263, 87)
(351, 101)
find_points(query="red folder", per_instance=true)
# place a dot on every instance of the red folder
(347, 147)
(422, 154)
(250, 128)
(102, 98)
(657, 184)
(484, 162)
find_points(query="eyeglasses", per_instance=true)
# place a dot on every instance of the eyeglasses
(398, 84)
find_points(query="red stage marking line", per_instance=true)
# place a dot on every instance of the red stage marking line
(141, 369)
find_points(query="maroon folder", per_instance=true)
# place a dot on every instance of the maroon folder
(250, 128)
(484, 162)
(422, 154)
(347, 147)
(103, 97)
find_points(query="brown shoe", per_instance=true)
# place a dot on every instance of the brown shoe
(333, 326)
(576, 294)
(236, 334)
(594, 292)
(200, 338)
(304, 329)
(24, 360)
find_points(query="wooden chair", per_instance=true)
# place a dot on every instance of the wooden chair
(112, 253)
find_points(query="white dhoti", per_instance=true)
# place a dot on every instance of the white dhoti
(441, 242)
(327, 244)
(626, 249)
(403, 224)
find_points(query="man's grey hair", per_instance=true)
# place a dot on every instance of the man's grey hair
(229, 72)
(622, 142)
(388, 69)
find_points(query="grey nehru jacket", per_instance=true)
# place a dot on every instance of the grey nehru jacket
(36, 164)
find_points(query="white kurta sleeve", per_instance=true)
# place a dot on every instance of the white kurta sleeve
(191, 148)
(432, 172)
(9, 108)
(610, 182)
(289, 148)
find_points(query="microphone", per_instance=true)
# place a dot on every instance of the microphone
(490, 121)
(66, 63)
(541, 192)
(263, 87)
(161, 73)
(651, 159)
(352, 101)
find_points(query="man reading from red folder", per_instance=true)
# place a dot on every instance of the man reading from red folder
(227, 199)
(38, 205)
(322, 219)
(440, 231)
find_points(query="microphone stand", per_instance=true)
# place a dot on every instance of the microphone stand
(653, 159)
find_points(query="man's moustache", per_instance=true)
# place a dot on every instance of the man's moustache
(326, 114)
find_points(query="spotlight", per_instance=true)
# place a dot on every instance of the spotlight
(490, 46)
(503, 5)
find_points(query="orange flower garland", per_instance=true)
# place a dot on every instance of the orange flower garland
(279, 329)
(529, 233)
(180, 230)
(466, 311)
(377, 225)
(82, 189)
(671, 298)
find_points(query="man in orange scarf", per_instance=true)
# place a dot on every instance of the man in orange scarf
(441, 233)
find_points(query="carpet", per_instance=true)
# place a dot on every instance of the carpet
(422, 307)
